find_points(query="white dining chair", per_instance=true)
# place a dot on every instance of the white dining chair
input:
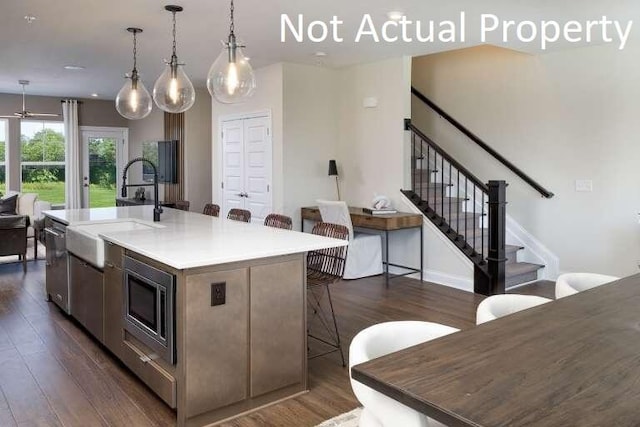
(497, 306)
(379, 340)
(364, 257)
(572, 283)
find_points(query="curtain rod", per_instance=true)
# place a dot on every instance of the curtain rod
(64, 100)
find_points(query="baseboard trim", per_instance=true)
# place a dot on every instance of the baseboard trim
(457, 282)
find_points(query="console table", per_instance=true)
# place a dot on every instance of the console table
(381, 223)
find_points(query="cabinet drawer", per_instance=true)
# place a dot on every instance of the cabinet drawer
(376, 223)
(152, 374)
(113, 254)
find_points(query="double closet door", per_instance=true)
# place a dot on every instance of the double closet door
(246, 166)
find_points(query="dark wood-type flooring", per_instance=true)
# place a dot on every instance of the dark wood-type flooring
(53, 374)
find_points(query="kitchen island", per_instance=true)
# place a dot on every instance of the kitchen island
(222, 332)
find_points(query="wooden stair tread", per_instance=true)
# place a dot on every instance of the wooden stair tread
(519, 268)
(520, 272)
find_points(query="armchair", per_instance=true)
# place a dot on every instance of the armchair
(29, 205)
(13, 237)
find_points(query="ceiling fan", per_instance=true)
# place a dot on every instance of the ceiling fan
(24, 114)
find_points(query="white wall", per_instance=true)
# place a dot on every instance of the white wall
(373, 155)
(559, 117)
(372, 140)
(310, 136)
(268, 96)
(151, 128)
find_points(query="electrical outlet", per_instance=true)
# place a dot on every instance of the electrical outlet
(218, 294)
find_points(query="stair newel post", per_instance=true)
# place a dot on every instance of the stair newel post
(497, 230)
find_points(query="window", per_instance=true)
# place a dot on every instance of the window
(3, 161)
(43, 152)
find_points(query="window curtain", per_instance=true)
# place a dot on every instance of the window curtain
(73, 173)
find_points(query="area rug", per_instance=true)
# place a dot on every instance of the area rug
(42, 251)
(348, 419)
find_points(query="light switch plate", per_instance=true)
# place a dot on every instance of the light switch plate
(584, 185)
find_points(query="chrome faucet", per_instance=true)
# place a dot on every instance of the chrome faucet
(157, 210)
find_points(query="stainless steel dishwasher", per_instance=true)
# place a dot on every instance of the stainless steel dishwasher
(57, 275)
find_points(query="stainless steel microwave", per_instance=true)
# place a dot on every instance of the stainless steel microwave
(149, 307)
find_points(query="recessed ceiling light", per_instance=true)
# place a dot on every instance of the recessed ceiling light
(30, 18)
(395, 15)
(74, 67)
(94, 95)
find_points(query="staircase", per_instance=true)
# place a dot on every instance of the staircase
(458, 203)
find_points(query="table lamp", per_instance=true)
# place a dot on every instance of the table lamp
(333, 171)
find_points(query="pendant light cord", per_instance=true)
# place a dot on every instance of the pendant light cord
(174, 34)
(135, 52)
(232, 26)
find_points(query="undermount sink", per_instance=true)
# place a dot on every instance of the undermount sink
(84, 241)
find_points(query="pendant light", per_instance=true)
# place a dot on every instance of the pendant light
(231, 77)
(133, 101)
(173, 91)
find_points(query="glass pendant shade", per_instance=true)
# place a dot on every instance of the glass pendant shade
(173, 91)
(133, 101)
(231, 77)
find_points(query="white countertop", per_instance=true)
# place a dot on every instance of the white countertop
(187, 239)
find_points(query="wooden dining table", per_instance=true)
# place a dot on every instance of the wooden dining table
(572, 362)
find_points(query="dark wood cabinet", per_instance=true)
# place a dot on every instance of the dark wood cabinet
(277, 305)
(87, 296)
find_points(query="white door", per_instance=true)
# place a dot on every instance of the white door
(104, 152)
(232, 166)
(257, 168)
(246, 166)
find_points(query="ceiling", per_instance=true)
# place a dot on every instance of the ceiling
(91, 33)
